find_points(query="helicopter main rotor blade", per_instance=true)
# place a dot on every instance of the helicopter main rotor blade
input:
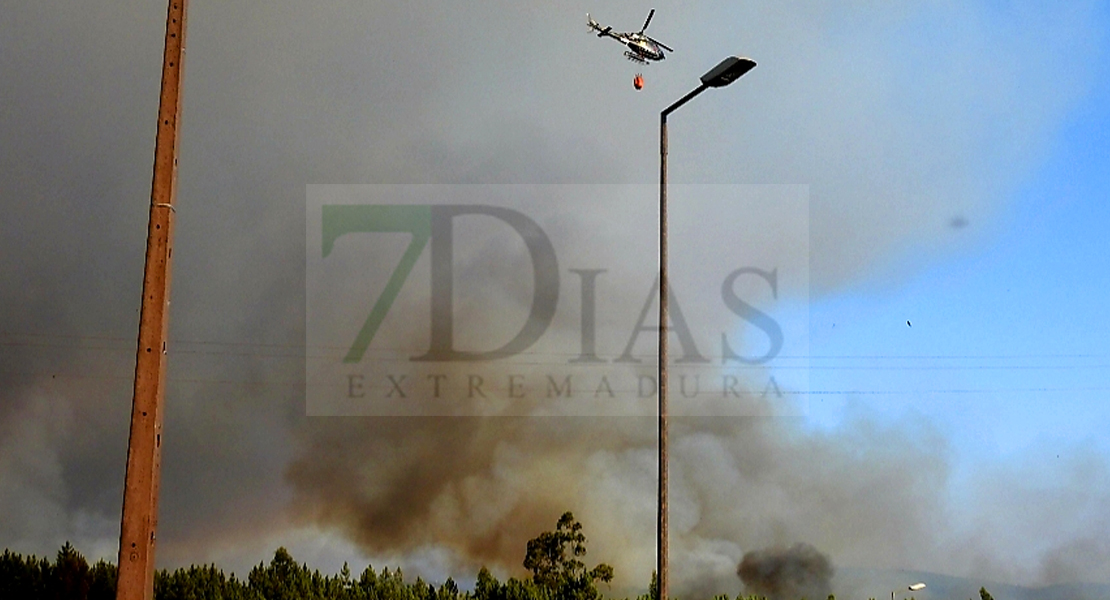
(650, 15)
(660, 44)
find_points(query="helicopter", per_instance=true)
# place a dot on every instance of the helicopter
(641, 48)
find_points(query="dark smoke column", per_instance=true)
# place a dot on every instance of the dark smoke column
(800, 571)
(144, 447)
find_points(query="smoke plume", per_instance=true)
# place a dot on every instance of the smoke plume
(799, 571)
(896, 117)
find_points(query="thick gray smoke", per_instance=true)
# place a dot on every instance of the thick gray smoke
(281, 94)
(800, 571)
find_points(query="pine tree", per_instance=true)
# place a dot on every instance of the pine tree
(102, 581)
(69, 575)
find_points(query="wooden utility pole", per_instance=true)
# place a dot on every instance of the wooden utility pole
(144, 447)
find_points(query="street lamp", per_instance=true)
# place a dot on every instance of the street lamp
(913, 588)
(727, 71)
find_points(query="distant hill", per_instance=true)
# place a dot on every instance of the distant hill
(861, 584)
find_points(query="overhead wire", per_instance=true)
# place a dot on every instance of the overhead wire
(531, 359)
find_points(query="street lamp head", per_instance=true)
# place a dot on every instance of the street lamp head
(729, 70)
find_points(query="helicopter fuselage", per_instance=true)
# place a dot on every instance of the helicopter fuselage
(641, 47)
(644, 47)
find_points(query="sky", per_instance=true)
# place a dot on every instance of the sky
(953, 154)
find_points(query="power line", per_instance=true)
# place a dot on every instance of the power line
(383, 353)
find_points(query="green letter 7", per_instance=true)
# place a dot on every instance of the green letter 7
(342, 219)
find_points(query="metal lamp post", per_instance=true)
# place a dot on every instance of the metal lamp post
(729, 70)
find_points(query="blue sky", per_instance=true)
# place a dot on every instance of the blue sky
(1022, 308)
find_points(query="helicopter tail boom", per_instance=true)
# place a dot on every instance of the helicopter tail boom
(595, 26)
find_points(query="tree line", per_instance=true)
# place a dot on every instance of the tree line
(553, 558)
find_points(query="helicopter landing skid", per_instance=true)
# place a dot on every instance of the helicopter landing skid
(632, 56)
